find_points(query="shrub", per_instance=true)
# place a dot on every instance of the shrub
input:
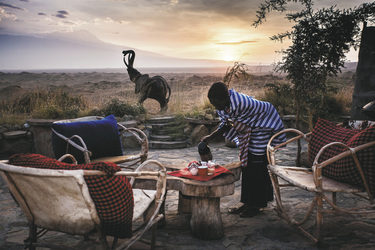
(238, 71)
(332, 105)
(121, 108)
(201, 111)
(281, 96)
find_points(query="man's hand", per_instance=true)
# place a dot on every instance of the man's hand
(205, 138)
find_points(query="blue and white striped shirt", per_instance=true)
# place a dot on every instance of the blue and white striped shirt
(261, 117)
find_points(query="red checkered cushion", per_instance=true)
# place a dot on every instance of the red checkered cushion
(345, 169)
(112, 195)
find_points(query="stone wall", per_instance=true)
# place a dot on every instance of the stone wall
(15, 139)
(35, 137)
(22, 139)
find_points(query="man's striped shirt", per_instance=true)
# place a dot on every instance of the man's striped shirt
(261, 117)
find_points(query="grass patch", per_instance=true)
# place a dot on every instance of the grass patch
(58, 104)
(44, 104)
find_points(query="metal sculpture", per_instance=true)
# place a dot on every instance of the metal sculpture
(155, 87)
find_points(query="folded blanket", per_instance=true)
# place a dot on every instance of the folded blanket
(112, 195)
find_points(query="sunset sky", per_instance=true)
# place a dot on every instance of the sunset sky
(194, 29)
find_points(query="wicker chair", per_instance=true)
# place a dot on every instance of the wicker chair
(77, 143)
(312, 180)
(59, 200)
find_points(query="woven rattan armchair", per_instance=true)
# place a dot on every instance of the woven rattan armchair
(324, 189)
(60, 200)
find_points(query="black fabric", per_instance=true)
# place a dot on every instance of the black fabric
(256, 188)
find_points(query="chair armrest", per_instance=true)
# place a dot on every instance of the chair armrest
(74, 161)
(140, 136)
(161, 187)
(86, 153)
(272, 150)
(317, 167)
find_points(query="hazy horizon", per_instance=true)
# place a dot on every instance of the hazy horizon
(145, 70)
(252, 69)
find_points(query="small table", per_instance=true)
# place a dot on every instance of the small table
(203, 199)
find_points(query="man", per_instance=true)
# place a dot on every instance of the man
(251, 123)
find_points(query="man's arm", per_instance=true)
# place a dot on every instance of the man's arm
(218, 132)
(214, 134)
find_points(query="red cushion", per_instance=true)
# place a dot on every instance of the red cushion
(112, 195)
(345, 169)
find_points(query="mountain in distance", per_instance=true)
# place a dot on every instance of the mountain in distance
(81, 50)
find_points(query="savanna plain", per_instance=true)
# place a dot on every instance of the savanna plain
(188, 90)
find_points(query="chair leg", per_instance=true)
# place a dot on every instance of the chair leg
(163, 221)
(153, 237)
(29, 242)
(319, 218)
(114, 244)
(276, 188)
(102, 238)
(334, 198)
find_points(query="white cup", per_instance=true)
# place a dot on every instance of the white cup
(211, 167)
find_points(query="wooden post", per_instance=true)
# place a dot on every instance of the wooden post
(364, 89)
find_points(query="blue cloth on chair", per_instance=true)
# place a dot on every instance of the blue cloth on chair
(100, 136)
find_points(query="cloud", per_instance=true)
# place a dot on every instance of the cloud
(236, 43)
(185, 28)
(4, 15)
(223, 8)
(62, 14)
(10, 6)
(106, 20)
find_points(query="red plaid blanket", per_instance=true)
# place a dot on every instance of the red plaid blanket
(345, 169)
(112, 195)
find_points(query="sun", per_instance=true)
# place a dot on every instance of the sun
(228, 57)
(228, 53)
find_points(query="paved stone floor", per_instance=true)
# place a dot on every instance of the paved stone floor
(265, 231)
